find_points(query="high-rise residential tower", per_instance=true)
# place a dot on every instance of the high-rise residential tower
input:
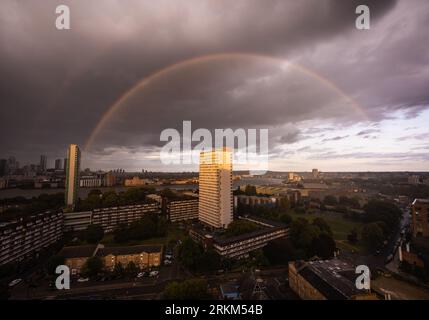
(215, 188)
(58, 164)
(43, 163)
(72, 174)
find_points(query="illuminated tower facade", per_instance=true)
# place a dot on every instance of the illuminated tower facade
(72, 174)
(215, 188)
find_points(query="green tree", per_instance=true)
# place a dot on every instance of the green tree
(302, 234)
(330, 200)
(238, 227)
(189, 253)
(192, 289)
(387, 212)
(324, 246)
(208, 261)
(131, 269)
(118, 270)
(280, 251)
(110, 199)
(372, 236)
(92, 266)
(322, 225)
(352, 237)
(250, 190)
(168, 193)
(285, 218)
(94, 233)
(284, 204)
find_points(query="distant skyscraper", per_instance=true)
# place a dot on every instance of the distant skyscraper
(215, 188)
(315, 173)
(43, 163)
(65, 164)
(3, 167)
(58, 164)
(72, 174)
(11, 165)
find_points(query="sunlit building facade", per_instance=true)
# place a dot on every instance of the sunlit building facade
(72, 174)
(215, 188)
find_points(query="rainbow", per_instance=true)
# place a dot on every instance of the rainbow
(151, 79)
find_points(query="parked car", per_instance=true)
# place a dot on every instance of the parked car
(153, 273)
(141, 274)
(167, 262)
(14, 282)
(83, 280)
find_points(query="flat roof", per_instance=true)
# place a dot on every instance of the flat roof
(331, 277)
(125, 250)
(423, 201)
(77, 251)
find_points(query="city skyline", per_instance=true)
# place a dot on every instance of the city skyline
(367, 109)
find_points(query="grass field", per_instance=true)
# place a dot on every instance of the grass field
(173, 233)
(340, 227)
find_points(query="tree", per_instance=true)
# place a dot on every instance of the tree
(121, 234)
(250, 190)
(168, 193)
(193, 289)
(372, 236)
(324, 246)
(352, 237)
(284, 204)
(94, 233)
(280, 251)
(189, 252)
(53, 262)
(285, 218)
(330, 200)
(302, 234)
(118, 269)
(208, 261)
(377, 210)
(131, 269)
(238, 227)
(322, 225)
(110, 199)
(92, 266)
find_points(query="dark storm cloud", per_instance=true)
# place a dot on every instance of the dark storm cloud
(367, 132)
(337, 138)
(55, 85)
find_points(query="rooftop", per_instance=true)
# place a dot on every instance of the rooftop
(333, 278)
(118, 251)
(77, 251)
(421, 201)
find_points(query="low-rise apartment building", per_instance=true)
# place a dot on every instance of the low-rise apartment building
(420, 218)
(326, 280)
(142, 256)
(181, 208)
(76, 256)
(25, 237)
(240, 246)
(110, 218)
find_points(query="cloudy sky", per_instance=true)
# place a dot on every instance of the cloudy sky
(333, 97)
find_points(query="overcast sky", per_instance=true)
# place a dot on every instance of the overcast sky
(56, 85)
